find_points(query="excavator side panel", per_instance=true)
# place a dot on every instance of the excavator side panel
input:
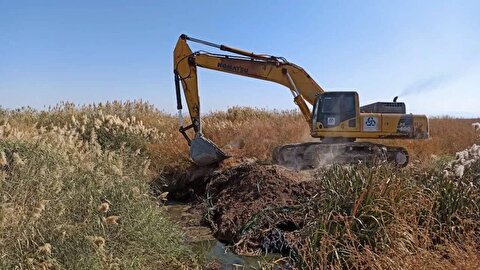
(421, 127)
(380, 126)
(408, 126)
(390, 123)
(348, 126)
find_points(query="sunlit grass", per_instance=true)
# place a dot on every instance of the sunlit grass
(52, 181)
(74, 191)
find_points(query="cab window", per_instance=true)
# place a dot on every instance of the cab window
(349, 106)
(331, 105)
(332, 108)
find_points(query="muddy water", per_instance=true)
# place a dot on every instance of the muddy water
(202, 241)
(217, 251)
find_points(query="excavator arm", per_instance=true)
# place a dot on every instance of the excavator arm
(265, 67)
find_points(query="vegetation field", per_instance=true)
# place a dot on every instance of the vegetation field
(75, 193)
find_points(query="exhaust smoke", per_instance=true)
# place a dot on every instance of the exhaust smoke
(426, 85)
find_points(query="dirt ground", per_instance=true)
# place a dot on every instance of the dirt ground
(253, 207)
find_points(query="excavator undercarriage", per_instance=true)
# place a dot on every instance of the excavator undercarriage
(318, 154)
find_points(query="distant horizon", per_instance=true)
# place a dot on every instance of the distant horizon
(459, 115)
(426, 52)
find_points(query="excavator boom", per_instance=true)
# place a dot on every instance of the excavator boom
(265, 67)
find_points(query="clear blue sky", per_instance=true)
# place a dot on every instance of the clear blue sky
(92, 51)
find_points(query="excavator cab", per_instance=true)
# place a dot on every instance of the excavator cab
(339, 117)
(336, 109)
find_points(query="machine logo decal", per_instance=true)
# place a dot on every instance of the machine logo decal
(370, 123)
(331, 121)
(237, 69)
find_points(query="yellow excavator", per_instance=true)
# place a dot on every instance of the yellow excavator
(336, 117)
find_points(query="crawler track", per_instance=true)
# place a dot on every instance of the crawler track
(317, 154)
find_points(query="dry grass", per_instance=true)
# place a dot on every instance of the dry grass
(58, 166)
(447, 136)
(389, 218)
(239, 131)
(53, 179)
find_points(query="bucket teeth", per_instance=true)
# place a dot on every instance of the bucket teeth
(204, 152)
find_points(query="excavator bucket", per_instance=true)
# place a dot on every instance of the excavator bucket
(204, 152)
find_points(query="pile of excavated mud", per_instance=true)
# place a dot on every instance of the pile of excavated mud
(251, 206)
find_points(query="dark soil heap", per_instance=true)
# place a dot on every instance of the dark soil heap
(251, 206)
(256, 207)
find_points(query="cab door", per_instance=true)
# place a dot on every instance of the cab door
(336, 111)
